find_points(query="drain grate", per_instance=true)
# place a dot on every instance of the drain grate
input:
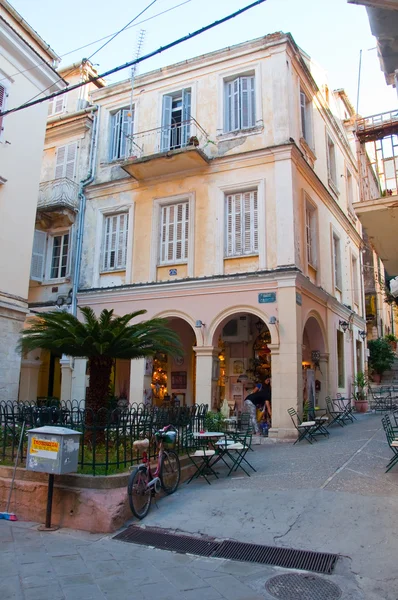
(305, 560)
(289, 558)
(296, 585)
(183, 544)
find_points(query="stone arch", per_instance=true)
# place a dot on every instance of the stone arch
(233, 310)
(178, 314)
(314, 315)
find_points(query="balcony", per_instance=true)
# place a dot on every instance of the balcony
(376, 127)
(378, 163)
(167, 150)
(60, 196)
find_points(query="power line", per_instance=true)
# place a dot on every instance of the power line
(137, 60)
(102, 39)
(94, 53)
(129, 27)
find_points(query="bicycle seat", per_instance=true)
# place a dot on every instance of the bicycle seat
(141, 444)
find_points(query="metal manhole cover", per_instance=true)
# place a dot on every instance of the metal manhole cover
(296, 585)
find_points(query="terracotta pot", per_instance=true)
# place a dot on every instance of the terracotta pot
(376, 377)
(361, 406)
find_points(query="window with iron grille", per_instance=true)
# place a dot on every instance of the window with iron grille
(239, 104)
(241, 223)
(115, 242)
(174, 225)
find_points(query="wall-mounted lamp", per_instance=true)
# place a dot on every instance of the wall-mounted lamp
(362, 334)
(273, 320)
(343, 325)
(199, 324)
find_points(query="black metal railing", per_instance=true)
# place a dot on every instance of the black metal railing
(106, 445)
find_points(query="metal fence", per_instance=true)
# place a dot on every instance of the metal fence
(107, 435)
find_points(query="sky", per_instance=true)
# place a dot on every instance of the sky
(332, 32)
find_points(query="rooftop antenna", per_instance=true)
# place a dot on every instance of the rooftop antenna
(140, 42)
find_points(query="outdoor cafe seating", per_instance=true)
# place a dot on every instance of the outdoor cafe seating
(206, 449)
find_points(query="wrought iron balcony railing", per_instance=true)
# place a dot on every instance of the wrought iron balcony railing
(187, 134)
(58, 193)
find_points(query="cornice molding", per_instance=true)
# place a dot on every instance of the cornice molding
(73, 126)
(24, 58)
(224, 282)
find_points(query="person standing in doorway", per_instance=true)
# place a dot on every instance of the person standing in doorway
(250, 404)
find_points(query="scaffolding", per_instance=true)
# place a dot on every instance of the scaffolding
(377, 138)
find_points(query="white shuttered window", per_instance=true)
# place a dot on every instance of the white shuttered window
(240, 106)
(56, 106)
(241, 223)
(115, 242)
(174, 233)
(65, 164)
(38, 255)
(122, 125)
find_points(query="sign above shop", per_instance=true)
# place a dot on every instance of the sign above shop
(299, 299)
(267, 298)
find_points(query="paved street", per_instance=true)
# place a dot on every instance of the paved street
(332, 496)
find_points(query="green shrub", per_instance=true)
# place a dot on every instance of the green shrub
(213, 421)
(381, 355)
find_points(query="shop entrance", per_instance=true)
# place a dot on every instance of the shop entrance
(172, 379)
(244, 358)
(314, 375)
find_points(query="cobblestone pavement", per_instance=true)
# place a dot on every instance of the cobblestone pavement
(333, 496)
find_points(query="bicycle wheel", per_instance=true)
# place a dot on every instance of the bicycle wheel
(140, 497)
(170, 471)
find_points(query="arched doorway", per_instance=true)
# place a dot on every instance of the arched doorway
(314, 363)
(244, 358)
(172, 379)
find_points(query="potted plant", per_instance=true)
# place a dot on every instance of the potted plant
(360, 399)
(193, 140)
(392, 340)
(381, 358)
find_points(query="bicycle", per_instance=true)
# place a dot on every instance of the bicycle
(143, 484)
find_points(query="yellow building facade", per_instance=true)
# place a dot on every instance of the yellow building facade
(222, 200)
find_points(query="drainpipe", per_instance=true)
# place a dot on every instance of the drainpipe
(82, 197)
(364, 356)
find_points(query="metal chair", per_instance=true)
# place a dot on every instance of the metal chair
(236, 449)
(336, 416)
(201, 457)
(392, 441)
(321, 421)
(305, 429)
(345, 407)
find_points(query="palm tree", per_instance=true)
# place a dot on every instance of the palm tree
(101, 340)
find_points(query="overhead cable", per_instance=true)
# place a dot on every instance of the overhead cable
(95, 52)
(101, 39)
(135, 61)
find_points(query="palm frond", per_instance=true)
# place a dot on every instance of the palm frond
(106, 335)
